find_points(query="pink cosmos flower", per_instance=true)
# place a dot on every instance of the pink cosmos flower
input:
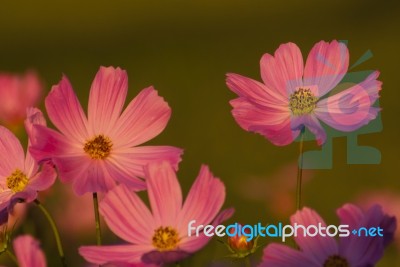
(20, 176)
(28, 252)
(160, 235)
(294, 96)
(17, 92)
(97, 151)
(320, 251)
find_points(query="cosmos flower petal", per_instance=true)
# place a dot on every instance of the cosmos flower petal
(117, 253)
(135, 158)
(312, 124)
(351, 108)
(159, 257)
(283, 72)
(326, 65)
(123, 173)
(277, 255)
(66, 112)
(43, 179)
(127, 216)
(195, 243)
(350, 215)
(107, 98)
(272, 124)
(318, 247)
(28, 252)
(33, 117)
(96, 179)
(164, 192)
(5, 198)
(10, 146)
(256, 92)
(48, 143)
(145, 117)
(200, 204)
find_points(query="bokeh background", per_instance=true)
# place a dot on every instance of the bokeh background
(184, 49)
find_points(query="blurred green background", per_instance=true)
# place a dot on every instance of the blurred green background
(184, 49)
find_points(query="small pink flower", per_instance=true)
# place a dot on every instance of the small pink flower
(320, 251)
(160, 235)
(20, 176)
(28, 252)
(17, 92)
(96, 151)
(293, 96)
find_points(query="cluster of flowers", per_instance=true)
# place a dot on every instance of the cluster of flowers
(101, 152)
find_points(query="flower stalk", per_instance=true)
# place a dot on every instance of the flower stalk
(55, 231)
(97, 218)
(300, 171)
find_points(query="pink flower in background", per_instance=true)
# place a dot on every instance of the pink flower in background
(20, 176)
(17, 92)
(67, 212)
(277, 192)
(293, 96)
(390, 202)
(320, 251)
(96, 151)
(160, 235)
(28, 252)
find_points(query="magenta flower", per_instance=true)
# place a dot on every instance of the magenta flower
(320, 251)
(28, 252)
(20, 176)
(18, 92)
(97, 151)
(160, 235)
(293, 96)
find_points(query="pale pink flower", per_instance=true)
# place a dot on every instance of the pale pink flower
(17, 92)
(320, 251)
(160, 235)
(28, 252)
(96, 151)
(293, 96)
(20, 176)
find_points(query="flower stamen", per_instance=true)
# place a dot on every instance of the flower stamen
(17, 181)
(165, 238)
(302, 102)
(98, 147)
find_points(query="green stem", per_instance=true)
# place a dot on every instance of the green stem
(12, 256)
(55, 231)
(300, 171)
(97, 218)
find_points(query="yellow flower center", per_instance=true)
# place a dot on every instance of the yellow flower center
(17, 181)
(302, 102)
(336, 261)
(165, 238)
(99, 147)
